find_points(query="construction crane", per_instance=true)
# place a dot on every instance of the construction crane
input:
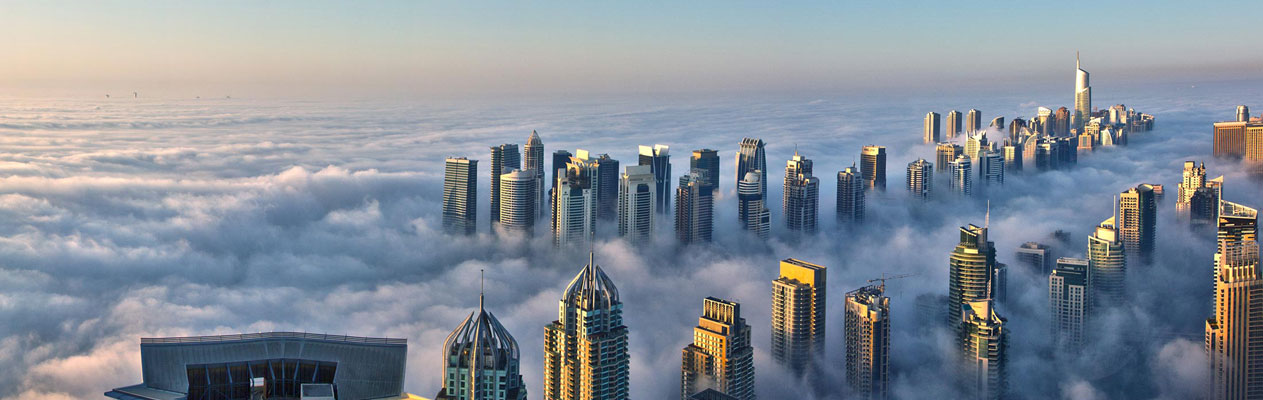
(884, 278)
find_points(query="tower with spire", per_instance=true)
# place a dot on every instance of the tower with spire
(481, 360)
(535, 162)
(585, 349)
(1082, 97)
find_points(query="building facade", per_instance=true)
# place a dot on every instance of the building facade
(705, 163)
(517, 201)
(1068, 303)
(481, 361)
(953, 124)
(873, 167)
(1234, 334)
(944, 154)
(574, 205)
(750, 157)
(533, 160)
(962, 176)
(504, 159)
(931, 132)
(984, 344)
(920, 178)
(755, 217)
(721, 357)
(636, 203)
(658, 157)
(798, 314)
(1107, 265)
(850, 196)
(973, 121)
(460, 196)
(801, 195)
(694, 210)
(868, 342)
(1137, 220)
(585, 349)
(971, 266)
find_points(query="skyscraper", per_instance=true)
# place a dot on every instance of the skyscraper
(920, 178)
(1012, 156)
(1061, 122)
(517, 197)
(659, 159)
(997, 123)
(991, 168)
(694, 206)
(534, 161)
(1204, 205)
(1194, 178)
(574, 204)
(984, 344)
(585, 349)
(798, 314)
(721, 356)
(636, 203)
(953, 124)
(962, 176)
(868, 341)
(705, 163)
(1137, 216)
(975, 144)
(750, 158)
(931, 131)
(850, 196)
(1068, 302)
(480, 361)
(971, 266)
(557, 168)
(1239, 139)
(973, 121)
(873, 167)
(606, 183)
(1082, 96)
(802, 195)
(1234, 334)
(1243, 114)
(460, 196)
(504, 158)
(944, 154)
(1037, 256)
(753, 211)
(1107, 267)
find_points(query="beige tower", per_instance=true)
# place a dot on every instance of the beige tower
(798, 314)
(1234, 334)
(721, 356)
(867, 338)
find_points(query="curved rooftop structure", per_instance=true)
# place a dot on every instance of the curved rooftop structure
(591, 288)
(480, 333)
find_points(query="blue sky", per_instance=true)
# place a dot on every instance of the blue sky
(611, 47)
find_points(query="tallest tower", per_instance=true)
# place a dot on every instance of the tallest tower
(1082, 96)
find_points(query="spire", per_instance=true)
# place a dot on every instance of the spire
(1076, 60)
(482, 287)
(986, 222)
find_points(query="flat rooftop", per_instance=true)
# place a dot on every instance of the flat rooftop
(273, 335)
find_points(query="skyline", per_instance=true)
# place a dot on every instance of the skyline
(292, 49)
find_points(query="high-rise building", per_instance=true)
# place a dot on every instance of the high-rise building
(920, 178)
(481, 361)
(534, 161)
(1082, 96)
(1068, 302)
(460, 196)
(802, 195)
(997, 123)
(1043, 121)
(694, 208)
(1061, 121)
(721, 357)
(944, 154)
(1107, 267)
(753, 211)
(931, 132)
(750, 158)
(1243, 114)
(504, 158)
(867, 337)
(962, 176)
(557, 168)
(873, 167)
(636, 203)
(1234, 334)
(705, 163)
(984, 344)
(975, 144)
(1239, 139)
(798, 314)
(1012, 156)
(1037, 256)
(971, 266)
(606, 183)
(517, 201)
(953, 124)
(585, 349)
(850, 196)
(659, 159)
(1204, 205)
(1194, 178)
(991, 168)
(574, 204)
(1137, 217)
(973, 121)
(1017, 128)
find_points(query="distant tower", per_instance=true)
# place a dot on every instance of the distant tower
(962, 176)
(705, 163)
(850, 196)
(504, 158)
(953, 124)
(801, 196)
(558, 167)
(480, 361)
(944, 154)
(984, 344)
(534, 161)
(1082, 96)
(517, 196)
(997, 123)
(991, 168)
(1194, 178)
(590, 317)
(920, 178)
(460, 196)
(1204, 205)
(636, 203)
(1234, 334)
(721, 356)
(873, 167)
(754, 214)
(1107, 265)
(798, 314)
(1036, 256)
(1012, 156)
(1243, 114)
(606, 183)
(975, 144)
(750, 157)
(1068, 302)
(973, 121)
(1061, 122)
(971, 266)
(868, 341)
(932, 133)
(1137, 217)
(694, 207)
(574, 202)
(659, 159)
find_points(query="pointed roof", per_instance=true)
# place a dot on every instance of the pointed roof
(482, 333)
(533, 140)
(591, 289)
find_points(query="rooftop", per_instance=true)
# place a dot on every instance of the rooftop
(273, 335)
